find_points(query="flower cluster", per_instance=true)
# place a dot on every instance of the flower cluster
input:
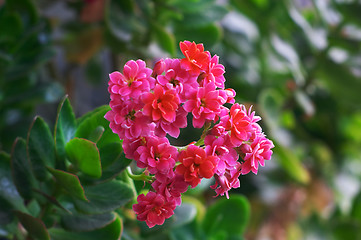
(147, 104)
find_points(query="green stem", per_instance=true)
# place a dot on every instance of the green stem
(140, 177)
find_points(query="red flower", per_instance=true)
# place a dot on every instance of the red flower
(195, 164)
(196, 59)
(161, 105)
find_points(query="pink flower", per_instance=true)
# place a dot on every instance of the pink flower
(228, 95)
(195, 58)
(171, 187)
(127, 120)
(161, 105)
(135, 80)
(195, 164)
(173, 128)
(130, 145)
(157, 155)
(177, 78)
(214, 73)
(227, 181)
(257, 152)
(241, 124)
(153, 209)
(205, 104)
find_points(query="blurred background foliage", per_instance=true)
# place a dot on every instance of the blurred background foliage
(298, 62)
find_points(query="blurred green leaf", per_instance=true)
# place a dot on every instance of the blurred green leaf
(112, 231)
(227, 215)
(65, 127)
(84, 154)
(89, 123)
(6, 211)
(21, 170)
(165, 39)
(40, 146)
(105, 197)
(69, 182)
(356, 208)
(342, 230)
(291, 164)
(34, 226)
(208, 35)
(80, 222)
(206, 16)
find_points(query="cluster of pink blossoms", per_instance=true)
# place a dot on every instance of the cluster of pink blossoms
(147, 104)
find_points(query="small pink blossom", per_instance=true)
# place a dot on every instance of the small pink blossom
(177, 78)
(214, 73)
(157, 155)
(195, 165)
(241, 124)
(133, 82)
(171, 187)
(127, 120)
(227, 181)
(172, 128)
(205, 104)
(258, 151)
(153, 209)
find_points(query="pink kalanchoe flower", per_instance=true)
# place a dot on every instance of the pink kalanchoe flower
(205, 104)
(241, 124)
(196, 59)
(228, 95)
(195, 165)
(177, 78)
(157, 155)
(161, 105)
(153, 209)
(214, 73)
(227, 181)
(171, 187)
(136, 79)
(173, 128)
(158, 68)
(257, 152)
(127, 120)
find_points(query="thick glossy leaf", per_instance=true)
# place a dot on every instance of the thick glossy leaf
(84, 154)
(113, 231)
(52, 200)
(40, 148)
(113, 160)
(65, 128)
(89, 123)
(105, 197)
(81, 222)
(6, 211)
(21, 170)
(69, 182)
(7, 188)
(34, 226)
(227, 215)
(291, 164)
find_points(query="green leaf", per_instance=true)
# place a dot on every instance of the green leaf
(89, 123)
(165, 39)
(113, 231)
(206, 16)
(227, 215)
(34, 226)
(105, 197)
(346, 230)
(65, 127)
(21, 170)
(84, 154)
(208, 35)
(291, 164)
(113, 160)
(183, 214)
(40, 148)
(69, 182)
(6, 211)
(7, 188)
(81, 222)
(356, 208)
